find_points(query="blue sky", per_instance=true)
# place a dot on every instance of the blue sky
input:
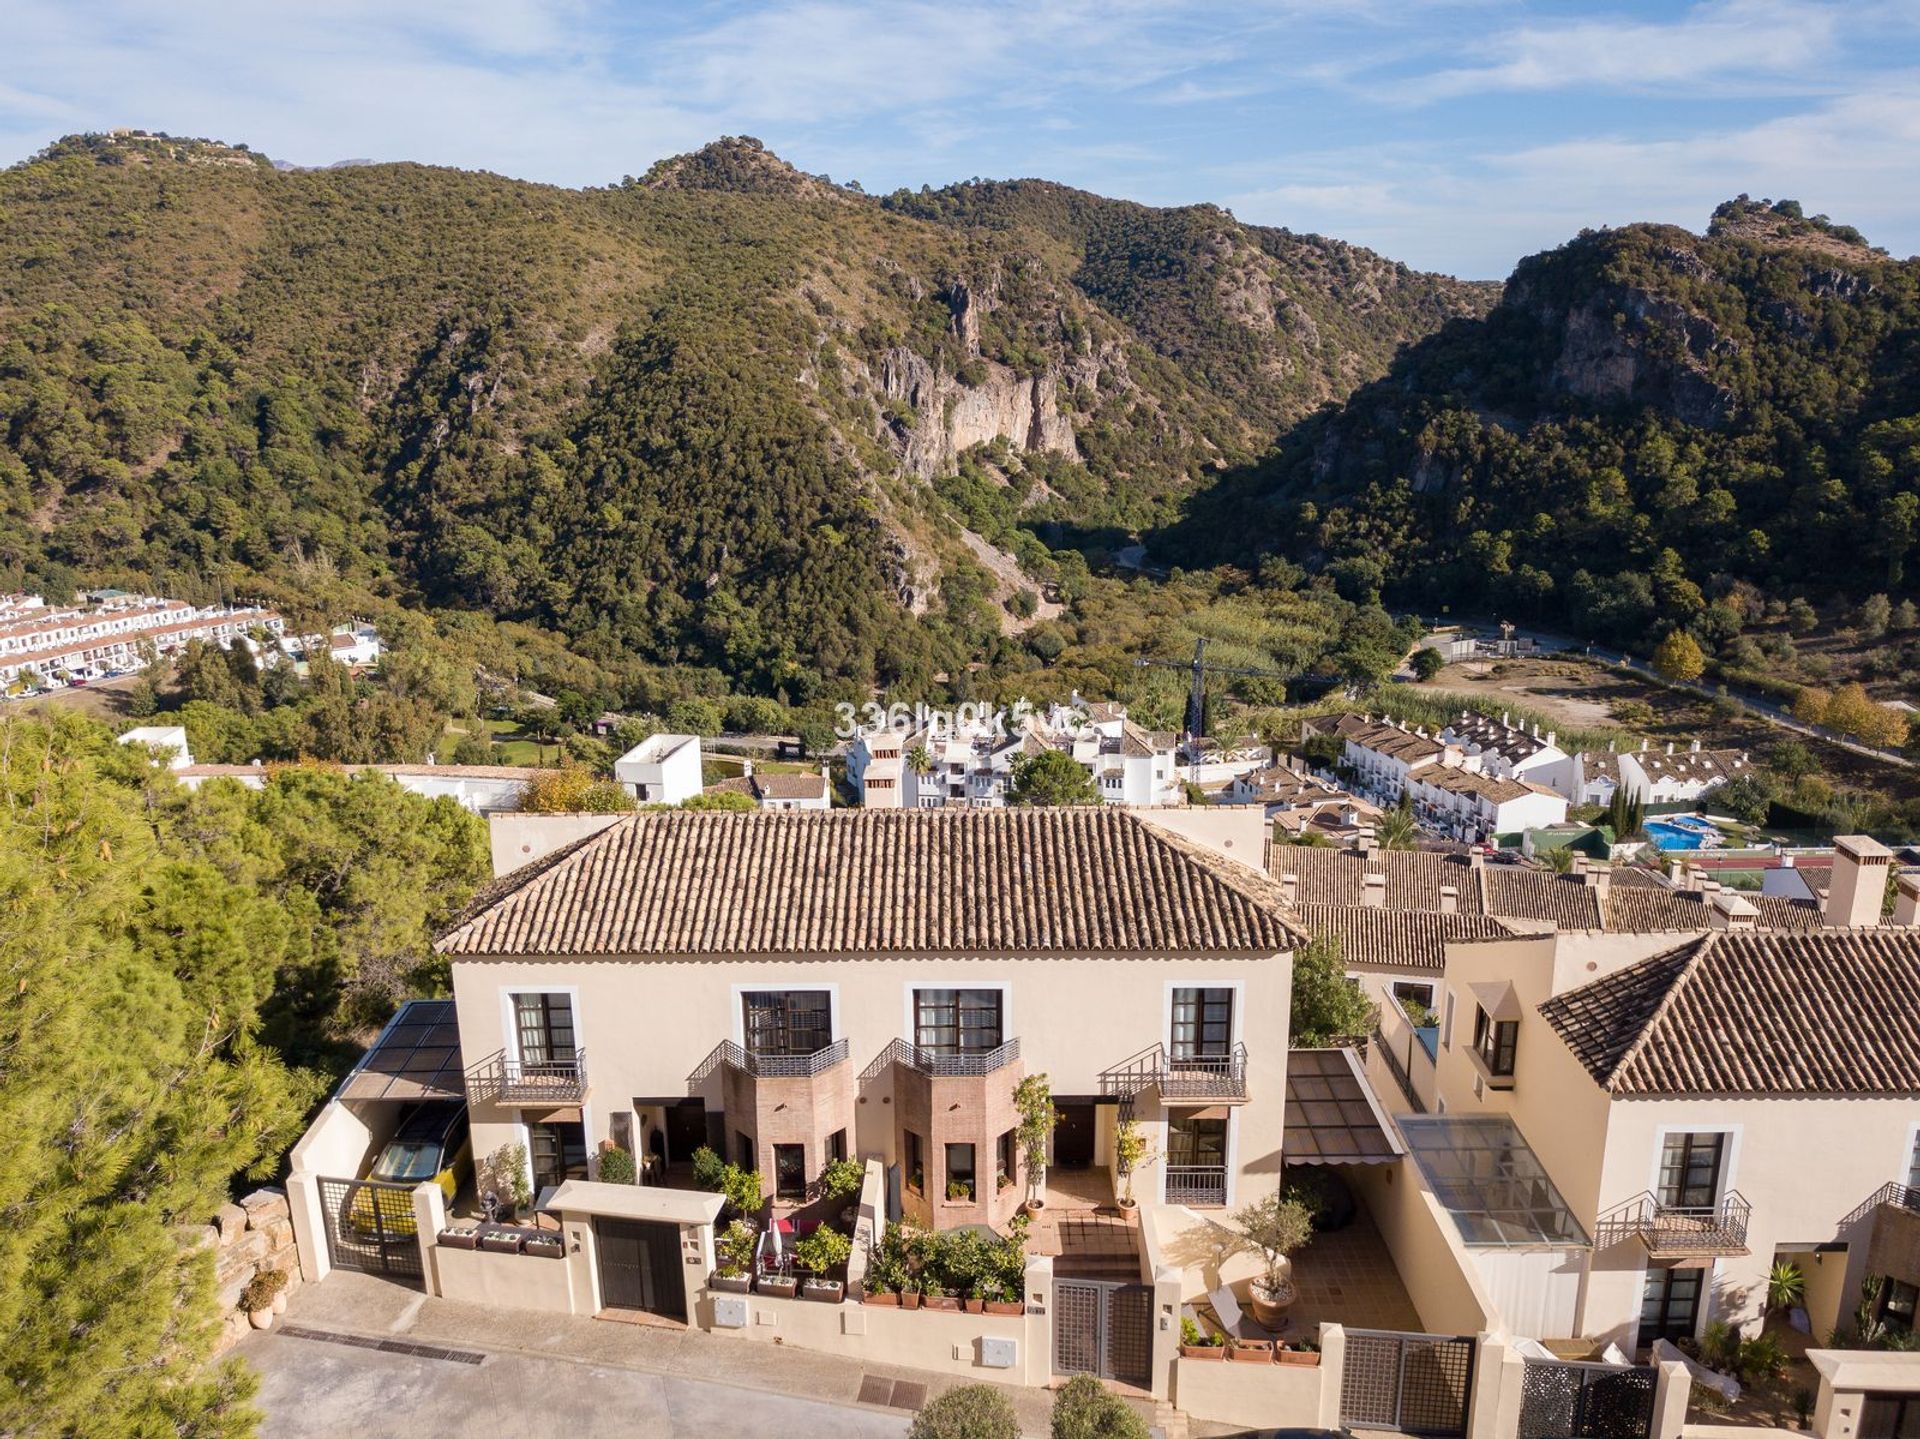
(1456, 135)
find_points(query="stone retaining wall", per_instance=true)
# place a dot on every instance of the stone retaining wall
(251, 1237)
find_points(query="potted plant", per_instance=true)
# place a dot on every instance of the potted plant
(545, 1246)
(776, 1284)
(502, 1241)
(733, 1258)
(746, 1196)
(1000, 1299)
(976, 1300)
(910, 1295)
(959, 1191)
(935, 1296)
(1303, 1355)
(820, 1253)
(458, 1236)
(257, 1299)
(616, 1166)
(1033, 1101)
(1273, 1228)
(1196, 1345)
(842, 1178)
(1251, 1351)
(505, 1182)
(1131, 1149)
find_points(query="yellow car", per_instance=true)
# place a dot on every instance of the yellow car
(430, 1142)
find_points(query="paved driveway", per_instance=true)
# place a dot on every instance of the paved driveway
(321, 1389)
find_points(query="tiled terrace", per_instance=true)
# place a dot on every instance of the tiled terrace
(1346, 1276)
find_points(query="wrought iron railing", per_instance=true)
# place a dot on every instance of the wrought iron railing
(1400, 1075)
(1899, 1196)
(1678, 1229)
(769, 1066)
(1180, 1076)
(500, 1079)
(1197, 1184)
(938, 1065)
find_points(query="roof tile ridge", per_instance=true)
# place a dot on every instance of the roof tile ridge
(1699, 950)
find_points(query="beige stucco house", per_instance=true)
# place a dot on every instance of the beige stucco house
(793, 988)
(1734, 1100)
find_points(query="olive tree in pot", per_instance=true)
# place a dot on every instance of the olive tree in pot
(1033, 1101)
(820, 1253)
(1273, 1228)
(1131, 1149)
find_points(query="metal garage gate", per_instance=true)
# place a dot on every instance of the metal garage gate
(370, 1227)
(1104, 1329)
(1414, 1383)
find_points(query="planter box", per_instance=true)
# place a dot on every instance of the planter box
(1005, 1306)
(1208, 1352)
(975, 1306)
(775, 1287)
(545, 1246)
(943, 1301)
(502, 1242)
(1306, 1359)
(825, 1291)
(1251, 1351)
(888, 1300)
(458, 1238)
(729, 1283)
(909, 1301)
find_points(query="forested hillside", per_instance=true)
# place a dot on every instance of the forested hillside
(725, 418)
(1653, 428)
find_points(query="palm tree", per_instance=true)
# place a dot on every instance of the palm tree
(1397, 828)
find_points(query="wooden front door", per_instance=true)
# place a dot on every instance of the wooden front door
(1073, 1135)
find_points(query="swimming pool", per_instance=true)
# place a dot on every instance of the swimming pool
(1682, 832)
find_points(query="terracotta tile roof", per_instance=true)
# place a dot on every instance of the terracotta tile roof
(789, 786)
(1523, 893)
(1086, 880)
(1739, 1014)
(1647, 909)
(1398, 939)
(1414, 877)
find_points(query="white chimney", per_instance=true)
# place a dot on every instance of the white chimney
(1373, 890)
(1449, 899)
(1906, 907)
(1476, 860)
(1726, 909)
(1551, 737)
(1363, 841)
(1669, 746)
(1694, 748)
(1860, 868)
(1289, 887)
(746, 769)
(1599, 879)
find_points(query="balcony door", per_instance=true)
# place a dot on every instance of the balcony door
(951, 1022)
(1691, 1166)
(1196, 1157)
(556, 1153)
(1202, 1024)
(787, 1021)
(543, 1028)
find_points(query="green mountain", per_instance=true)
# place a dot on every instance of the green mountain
(1649, 422)
(725, 415)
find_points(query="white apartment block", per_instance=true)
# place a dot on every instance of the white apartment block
(106, 636)
(661, 769)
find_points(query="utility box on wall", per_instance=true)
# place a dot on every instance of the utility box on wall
(729, 1311)
(999, 1353)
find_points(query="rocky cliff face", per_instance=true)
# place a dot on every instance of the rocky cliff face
(950, 415)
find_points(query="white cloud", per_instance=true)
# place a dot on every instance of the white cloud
(1725, 44)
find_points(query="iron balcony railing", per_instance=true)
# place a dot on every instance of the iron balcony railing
(1896, 1195)
(1180, 1076)
(938, 1065)
(500, 1079)
(1678, 1230)
(1204, 1184)
(769, 1066)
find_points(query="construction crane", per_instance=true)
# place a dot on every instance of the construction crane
(1197, 700)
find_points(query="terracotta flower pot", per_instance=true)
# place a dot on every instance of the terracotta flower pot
(1212, 1353)
(825, 1291)
(1005, 1306)
(1251, 1351)
(1270, 1306)
(776, 1287)
(890, 1301)
(945, 1302)
(260, 1318)
(458, 1238)
(1306, 1359)
(976, 1306)
(280, 1302)
(909, 1299)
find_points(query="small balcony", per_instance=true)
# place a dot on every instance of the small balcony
(769, 1066)
(1181, 1078)
(1677, 1231)
(499, 1079)
(937, 1065)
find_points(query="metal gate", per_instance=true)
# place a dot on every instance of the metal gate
(1415, 1383)
(1565, 1399)
(1103, 1329)
(370, 1226)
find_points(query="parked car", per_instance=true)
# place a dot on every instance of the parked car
(431, 1141)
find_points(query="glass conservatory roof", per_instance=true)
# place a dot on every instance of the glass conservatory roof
(1489, 1180)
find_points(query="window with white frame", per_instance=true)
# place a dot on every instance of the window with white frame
(543, 1028)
